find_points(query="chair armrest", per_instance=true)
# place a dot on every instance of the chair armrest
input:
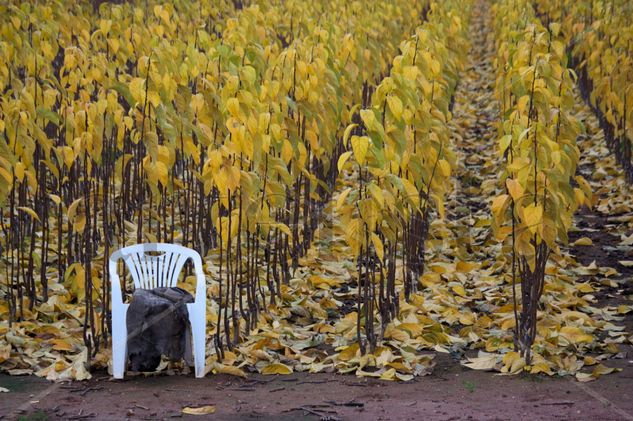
(122, 310)
(115, 281)
(201, 281)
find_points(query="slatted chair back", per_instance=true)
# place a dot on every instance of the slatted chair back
(154, 265)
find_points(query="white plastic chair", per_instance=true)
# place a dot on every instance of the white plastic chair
(152, 271)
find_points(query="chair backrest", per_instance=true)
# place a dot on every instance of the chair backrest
(154, 265)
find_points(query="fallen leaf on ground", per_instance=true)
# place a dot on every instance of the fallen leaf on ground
(200, 410)
(276, 368)
(484, 361)
(598, 371)
(584, 241)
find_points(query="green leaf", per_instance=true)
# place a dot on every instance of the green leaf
(125, 92)
(49, 115)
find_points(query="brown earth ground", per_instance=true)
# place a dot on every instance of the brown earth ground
(450, 393)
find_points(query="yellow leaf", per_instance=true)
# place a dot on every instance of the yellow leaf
(584, 377)
(465, 266)
(522, 103)
(414, 329)
(75, 277)
(435, 68)
(349, 352)
(69, 156)
(323, 282)
(114, 44)
(504, 142)
(283, 228)
(459, 290)
(484, 361)
(411, 72)
(395, 106)
(515, 188)
(412, 192)
(5, 352)
(197, 102)
(276, 368)
(30, 211)
(347, 132)
(55, 198)
(598, 371)
(584, 241)
(233, 106)
(231, 178)
(533, 216)
(498, 204)
(249, 74)
(508, 324)
(602, 369)
(287, 152)
(79, 223)
(575, 335)
(201, 410)
(380, 249)
(512, 363)
(137, 89)
(19, 170)
(62, 345)
(342, 160)
(360, 146)
(8, 178)
(584, 287)
(72, 209)
(376, 193)
(389, 374)
(229, 369)
(444, 167)
(341, 198)
(369, 118)
(540, 367)
(313, 139)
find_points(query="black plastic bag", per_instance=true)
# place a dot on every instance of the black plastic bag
(158, 324)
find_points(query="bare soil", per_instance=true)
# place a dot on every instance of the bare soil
(450, 393)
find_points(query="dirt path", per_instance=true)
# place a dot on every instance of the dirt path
(450, 393)
(475, 113)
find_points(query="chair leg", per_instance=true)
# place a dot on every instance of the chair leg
(198, 330)
(119, 343)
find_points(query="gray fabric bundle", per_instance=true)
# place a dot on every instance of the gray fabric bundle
(158, 324)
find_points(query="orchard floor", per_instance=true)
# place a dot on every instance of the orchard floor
(451, 392)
